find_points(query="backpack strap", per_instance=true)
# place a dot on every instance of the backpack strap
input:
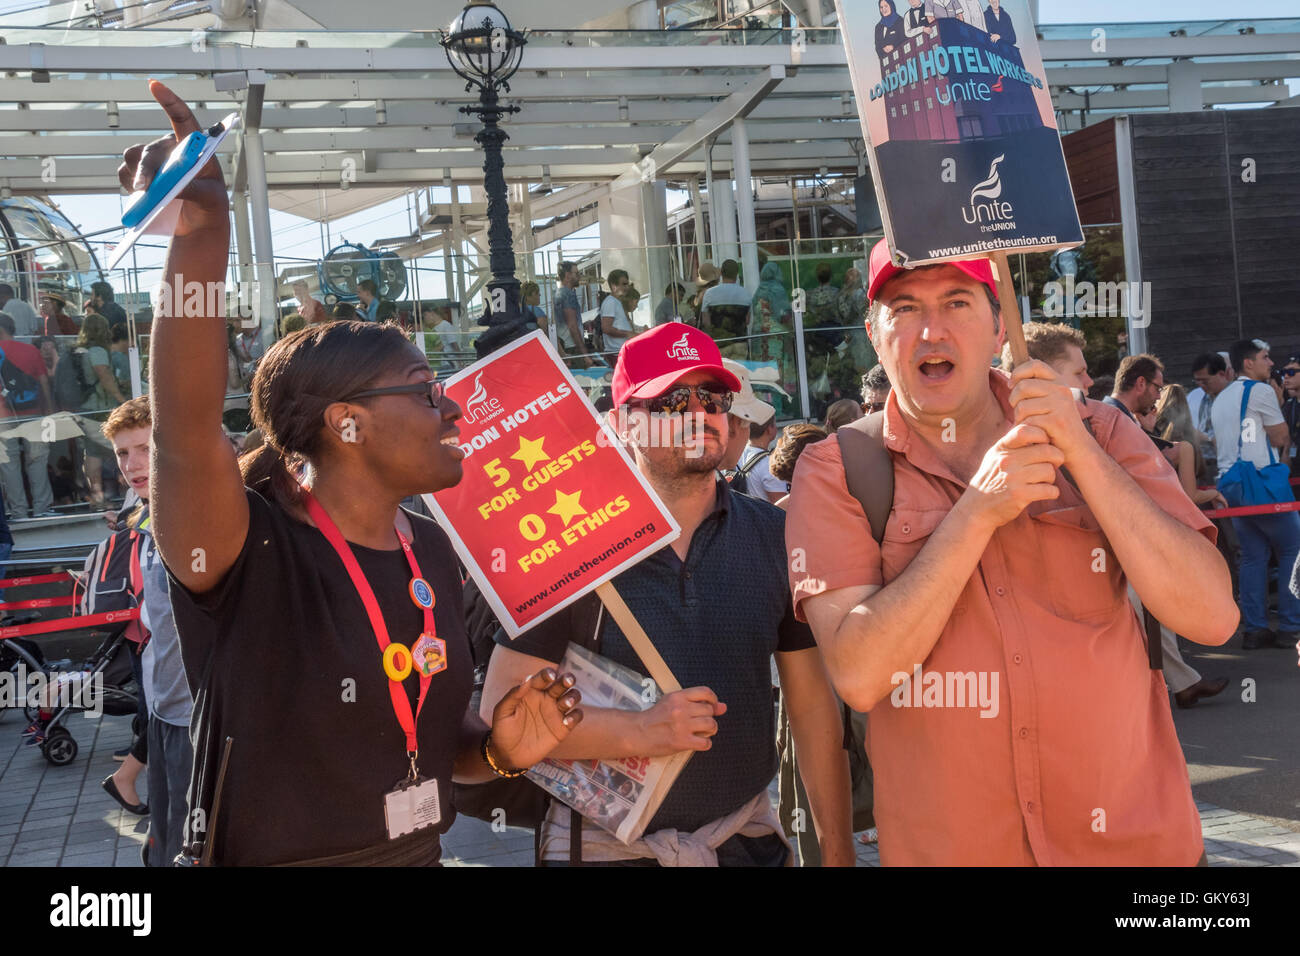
(1245, 400)
(137, 627)
(749, 466)
(1246, 386)
(868, 469)
(1155, 653)
(112, 540)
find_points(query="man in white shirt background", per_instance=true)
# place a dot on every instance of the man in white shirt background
(724, 311)
(1260, 427)
(26, 321)
(1212, 374)
(756, 418)
(614, 323)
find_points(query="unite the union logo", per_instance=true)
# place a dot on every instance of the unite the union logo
(986, 206)
(682, 351)
(480, 407)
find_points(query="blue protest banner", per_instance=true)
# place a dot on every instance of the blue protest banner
(964, 150)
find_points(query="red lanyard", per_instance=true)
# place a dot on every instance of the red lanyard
(401, 703)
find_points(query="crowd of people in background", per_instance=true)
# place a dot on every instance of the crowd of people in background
(55, 361)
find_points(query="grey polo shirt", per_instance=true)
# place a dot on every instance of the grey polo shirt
(166, 687)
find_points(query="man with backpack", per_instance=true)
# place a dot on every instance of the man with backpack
(1014, 716)
(171, 755)
(74, 380)
(26, 395)
(754, 474)
(1250, 434)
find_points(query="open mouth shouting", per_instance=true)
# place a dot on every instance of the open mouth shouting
(936, 368)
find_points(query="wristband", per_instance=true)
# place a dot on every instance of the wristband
(484, 749)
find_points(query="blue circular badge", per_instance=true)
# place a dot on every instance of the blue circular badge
(421, 593)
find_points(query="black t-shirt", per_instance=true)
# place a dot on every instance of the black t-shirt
(716, 618)
(281, 657)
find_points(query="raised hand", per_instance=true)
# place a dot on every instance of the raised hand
(1018, 470)
(532, 719)
(1038, 396)
(206, 206)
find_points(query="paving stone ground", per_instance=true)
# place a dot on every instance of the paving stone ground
(61, 816)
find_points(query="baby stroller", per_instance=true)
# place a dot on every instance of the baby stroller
(103, 683)
(107, 595)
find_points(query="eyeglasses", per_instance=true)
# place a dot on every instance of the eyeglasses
(433, 389)
(869, 407)
(713, 397)
(1288, 372)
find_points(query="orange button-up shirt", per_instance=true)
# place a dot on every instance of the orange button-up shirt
(1071, 758)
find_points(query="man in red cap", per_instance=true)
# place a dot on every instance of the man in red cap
(1014, 718)
(717, 608)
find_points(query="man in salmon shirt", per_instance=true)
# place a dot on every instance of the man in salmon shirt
(1014, 719)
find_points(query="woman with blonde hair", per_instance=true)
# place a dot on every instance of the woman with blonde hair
(1171, 419)
(1174, 422)
(530, 297)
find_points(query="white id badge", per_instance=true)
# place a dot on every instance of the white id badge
(411, 806)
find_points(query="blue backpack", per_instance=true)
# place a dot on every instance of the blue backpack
(21, 391)
(1244, 484)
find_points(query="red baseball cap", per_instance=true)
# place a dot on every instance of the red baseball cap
(882, 269)
(651, 362)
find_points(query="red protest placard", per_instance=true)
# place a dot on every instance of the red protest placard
(550, 505)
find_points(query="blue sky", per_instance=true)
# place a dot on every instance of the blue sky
(296, 237)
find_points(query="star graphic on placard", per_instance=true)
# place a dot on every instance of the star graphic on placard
(567, 507)
(531, 452)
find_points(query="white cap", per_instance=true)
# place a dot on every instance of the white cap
(746, 404)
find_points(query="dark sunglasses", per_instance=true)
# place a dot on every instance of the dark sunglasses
(1288, 372)
(433, 390)
(713, 397)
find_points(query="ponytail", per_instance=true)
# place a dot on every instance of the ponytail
(270, 473)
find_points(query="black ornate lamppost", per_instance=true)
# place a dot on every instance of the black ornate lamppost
(485, 51)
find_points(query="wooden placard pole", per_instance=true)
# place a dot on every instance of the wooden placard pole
(637, 637)
(1010, 308)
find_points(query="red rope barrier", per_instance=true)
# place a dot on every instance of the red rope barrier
(66, 601)
(35, 579)
(1271, 509)
(69, 623)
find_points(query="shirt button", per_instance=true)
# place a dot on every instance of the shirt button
(1001, 591)
(688, 574)
(906, 529)
(1029, 807)
(1017, 658)
(1024, 732)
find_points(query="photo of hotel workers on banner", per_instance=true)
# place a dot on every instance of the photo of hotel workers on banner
(964, 148)
(550, 504)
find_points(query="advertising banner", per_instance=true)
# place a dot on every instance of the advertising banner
(963, 144)
(550, 505)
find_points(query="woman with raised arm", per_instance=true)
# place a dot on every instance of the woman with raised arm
(320, 623)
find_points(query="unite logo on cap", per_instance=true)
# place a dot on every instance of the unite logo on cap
(681, 351)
